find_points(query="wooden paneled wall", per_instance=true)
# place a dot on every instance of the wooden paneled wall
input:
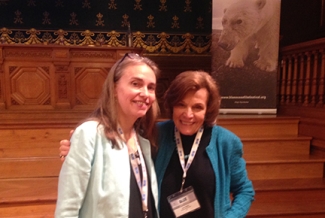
(53, 77)
(49, 82)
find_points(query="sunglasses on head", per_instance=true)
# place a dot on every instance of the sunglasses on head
(131, 56)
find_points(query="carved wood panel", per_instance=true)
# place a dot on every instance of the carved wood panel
(54, 77)
(88, 82)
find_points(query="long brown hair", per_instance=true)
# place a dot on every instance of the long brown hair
(193, 80)
(106, 110)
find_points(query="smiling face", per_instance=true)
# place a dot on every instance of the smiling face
(189, 113)
(135, 92)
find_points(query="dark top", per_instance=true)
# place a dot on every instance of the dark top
(200, 176)
(135, 203)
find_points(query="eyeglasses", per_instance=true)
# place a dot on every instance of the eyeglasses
(129, 55)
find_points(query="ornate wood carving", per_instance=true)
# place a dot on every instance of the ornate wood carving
(34, 77)
(30, 85)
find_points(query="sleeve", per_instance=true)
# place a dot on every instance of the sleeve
(240, 185)
(75, 172)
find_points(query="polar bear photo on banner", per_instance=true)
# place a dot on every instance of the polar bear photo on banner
(251, 22)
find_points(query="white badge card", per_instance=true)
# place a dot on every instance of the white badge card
(183, 202)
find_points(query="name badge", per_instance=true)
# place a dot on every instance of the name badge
(183, 202)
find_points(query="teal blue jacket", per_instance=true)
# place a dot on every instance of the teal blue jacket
(95, 176)
(225, 152)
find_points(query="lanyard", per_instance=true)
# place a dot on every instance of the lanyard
(180, 151)
(142, 185)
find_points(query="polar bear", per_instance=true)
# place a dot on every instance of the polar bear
(247, 20)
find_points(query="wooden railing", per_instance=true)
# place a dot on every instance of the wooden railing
(301, 74)
(301, 88)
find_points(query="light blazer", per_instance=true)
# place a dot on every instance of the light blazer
(225, 154)
(94, 181)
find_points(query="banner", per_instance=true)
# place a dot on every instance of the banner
(245, 45)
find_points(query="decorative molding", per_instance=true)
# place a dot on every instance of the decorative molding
(70, 77)
(62, 87)
(152, 43)
(62, 69)
(22, 53)
(12, 69)
(46, 70)
(92, 54)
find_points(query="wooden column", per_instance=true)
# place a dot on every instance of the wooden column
(294, 80)
(321, 86)
(283, 80)
(289, 82)
(301, 78)
(307, 80)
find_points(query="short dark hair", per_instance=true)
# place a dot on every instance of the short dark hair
(194, 80)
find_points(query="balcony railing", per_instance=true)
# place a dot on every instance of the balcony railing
(301, 74)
